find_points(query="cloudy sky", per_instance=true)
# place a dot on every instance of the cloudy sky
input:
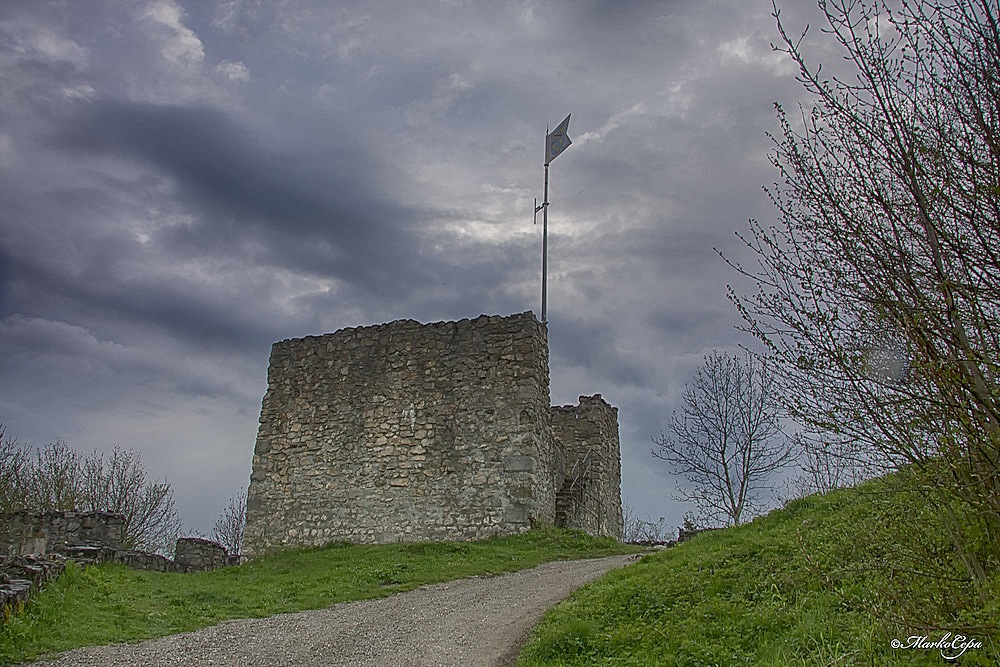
(185, 182)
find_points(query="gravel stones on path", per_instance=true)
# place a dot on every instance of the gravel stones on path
(479, 621)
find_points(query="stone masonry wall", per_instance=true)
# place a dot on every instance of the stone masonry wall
(28, 532)
(590, 497)
(404, 432)
(97, 536)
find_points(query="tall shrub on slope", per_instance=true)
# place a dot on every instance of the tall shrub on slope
(879, 287)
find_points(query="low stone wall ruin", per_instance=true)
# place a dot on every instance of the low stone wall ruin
(97, 537)
(34, 547)
(27, 532)
(20, 576)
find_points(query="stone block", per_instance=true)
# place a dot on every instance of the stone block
(34, 544)
(519, 464)
(517, 515)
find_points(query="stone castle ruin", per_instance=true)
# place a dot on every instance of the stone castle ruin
(410, 432)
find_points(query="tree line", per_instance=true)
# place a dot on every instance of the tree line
(55, 476)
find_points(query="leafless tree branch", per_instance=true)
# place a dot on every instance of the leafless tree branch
(727, 441)
(230, 525)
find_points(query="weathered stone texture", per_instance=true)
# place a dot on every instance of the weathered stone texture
(28, 532)
(590, 496)
(97, 537)
(404, 432)
(195, 554)
(21, 576)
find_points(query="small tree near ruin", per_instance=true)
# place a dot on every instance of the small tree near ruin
(727, 442)
(229, 527)
(118, 484)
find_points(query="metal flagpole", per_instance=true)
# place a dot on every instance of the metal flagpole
(555, 143)
(545, 244)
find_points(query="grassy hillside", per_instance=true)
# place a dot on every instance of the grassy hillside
(812, 584)
(110, 604)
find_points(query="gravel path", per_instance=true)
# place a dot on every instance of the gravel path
(480, 621)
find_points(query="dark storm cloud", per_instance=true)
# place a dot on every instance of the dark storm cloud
(581, 341)
(318, 212)
(6, 276)
(176, 305)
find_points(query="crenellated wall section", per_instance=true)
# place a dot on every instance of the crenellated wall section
(590, 495)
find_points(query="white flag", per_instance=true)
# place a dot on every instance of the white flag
(557, 141)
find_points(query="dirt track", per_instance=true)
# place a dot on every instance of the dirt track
(476, 622)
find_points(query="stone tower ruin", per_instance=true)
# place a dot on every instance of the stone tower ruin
(407, 432)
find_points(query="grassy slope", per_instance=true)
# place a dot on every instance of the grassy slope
(792, 588)
(110, 604)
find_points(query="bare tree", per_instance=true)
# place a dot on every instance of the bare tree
(636, 529)
(827, 463)
(53, 479)
(229, 527)
(13, 464)
(727, 442)
(57, 477)
(878, 291)
(118, 484)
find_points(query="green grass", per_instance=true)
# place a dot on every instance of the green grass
(112, 604)
(810, 584)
